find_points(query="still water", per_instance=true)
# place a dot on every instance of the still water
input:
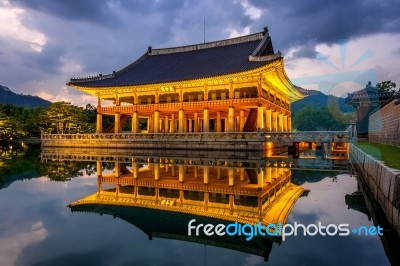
(39, 227)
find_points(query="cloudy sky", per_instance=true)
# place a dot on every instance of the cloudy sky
(334, 46)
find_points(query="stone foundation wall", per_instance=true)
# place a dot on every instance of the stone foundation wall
(252, 142)
(384, 125)
(384, 183)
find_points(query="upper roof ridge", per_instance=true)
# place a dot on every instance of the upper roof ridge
(193, 47)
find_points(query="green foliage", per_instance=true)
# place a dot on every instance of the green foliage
(59, 117)
(64, 118)
(11, 123)
(25, 163)
(387, 85)
(322, 119)
(65, 170)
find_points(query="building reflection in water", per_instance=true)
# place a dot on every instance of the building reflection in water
(160, 192)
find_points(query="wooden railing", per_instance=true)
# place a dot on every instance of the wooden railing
(214, 104)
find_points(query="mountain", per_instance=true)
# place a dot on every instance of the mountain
(318, 99)
(29, 101)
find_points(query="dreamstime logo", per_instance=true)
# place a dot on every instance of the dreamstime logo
(280, 230)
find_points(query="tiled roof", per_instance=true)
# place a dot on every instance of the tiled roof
(368, 93)
(190, 62)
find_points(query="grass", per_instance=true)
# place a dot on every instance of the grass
(390, 155)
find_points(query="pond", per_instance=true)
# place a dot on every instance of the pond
(60, 212)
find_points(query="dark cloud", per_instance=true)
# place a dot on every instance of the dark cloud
(98, 36)
(306, 50)
(98, 12)
(152, 6)
(295, 23)
(47, 61)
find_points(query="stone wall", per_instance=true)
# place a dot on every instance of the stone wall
(251, 141)
(384, 183)
(384, 125)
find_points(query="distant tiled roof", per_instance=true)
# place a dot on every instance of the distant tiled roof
(369, 93)
(397, 97)
(190, 62)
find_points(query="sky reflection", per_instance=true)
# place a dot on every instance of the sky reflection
(37, 228)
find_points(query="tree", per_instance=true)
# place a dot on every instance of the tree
(5, 127)
(322, 119)
(305, 119)
(11, 124)
(62, 117)
(387, 85)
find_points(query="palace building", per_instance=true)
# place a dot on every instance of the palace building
(233, 85)
(163, 197)
(246, 191)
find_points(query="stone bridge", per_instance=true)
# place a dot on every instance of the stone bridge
(318, 137)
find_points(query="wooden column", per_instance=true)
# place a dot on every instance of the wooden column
(274, 122)
(206, 175)
(185, 125)
(260, 178)
(181, 173)
(156, 122)
(231, 119)
(99, 123)
(190, 125)
(280, 124)
(196, 122)
(280, 171)
(173, 123)
(117, 120)
(206, 121)
(242, 174)
(181, 196)
(117, 170)
(231, 203)
(241, 121)
(135, 169)
(99, 168)
(166, 124)
(135, 122)
(275, 173)
(172, 170)
(260, 118)
(181, 121)
(268, 174)
(149, 125)
(231, 179)
(156, 168)
(206, 198)
(117, 123)
(99, 120)
(219, 129)
(285, 122)
(268, 120)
